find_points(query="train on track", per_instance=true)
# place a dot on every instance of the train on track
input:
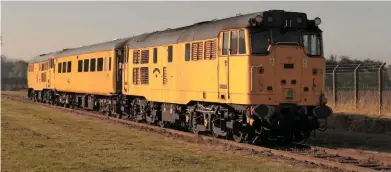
(250, 78)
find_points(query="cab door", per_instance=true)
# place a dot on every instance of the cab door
(223, 66)
(49, 71)
(119, 54)
(126, 72)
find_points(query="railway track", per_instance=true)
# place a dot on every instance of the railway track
(335, 160)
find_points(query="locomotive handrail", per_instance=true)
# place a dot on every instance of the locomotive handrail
(251, 75)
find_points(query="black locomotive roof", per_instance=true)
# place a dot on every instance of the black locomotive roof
(198, 31)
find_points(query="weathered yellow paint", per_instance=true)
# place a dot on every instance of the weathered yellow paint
(97, 82)
(200, 80)
(226, 79)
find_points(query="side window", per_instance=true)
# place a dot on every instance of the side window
(69, 67)
(86, 65)
(110, 64)
(92, 65)
(187, 52)
(155, 55)
(242, 42)
(234, 42)
(100, 64)
(170, 53)
(225, 43)
(59, 68)
(64, 67)
(80, 65)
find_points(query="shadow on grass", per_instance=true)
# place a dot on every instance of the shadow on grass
(357, 132)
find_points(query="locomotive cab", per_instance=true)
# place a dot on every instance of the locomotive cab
(287, 73)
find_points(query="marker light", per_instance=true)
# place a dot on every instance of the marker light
(317, 21)
(299, 20)
(270, 19)
(259, 18)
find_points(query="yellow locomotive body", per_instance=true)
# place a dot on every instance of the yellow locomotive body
(249, 77)
(237, 79)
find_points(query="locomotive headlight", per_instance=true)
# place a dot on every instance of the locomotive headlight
(269, 19)
(317, 21)
(299, 20)
(259, 18)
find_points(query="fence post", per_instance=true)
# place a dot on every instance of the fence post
(356, 85)
(380, 87)
(335, 85)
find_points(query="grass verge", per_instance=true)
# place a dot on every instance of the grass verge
(36, 138)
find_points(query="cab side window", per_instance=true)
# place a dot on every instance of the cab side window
(234, 41)
(225, 43)
(64, 67)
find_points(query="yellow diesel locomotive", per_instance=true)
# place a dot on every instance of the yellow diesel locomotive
(250, 77)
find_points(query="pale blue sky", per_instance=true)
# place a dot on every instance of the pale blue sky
(357, 29)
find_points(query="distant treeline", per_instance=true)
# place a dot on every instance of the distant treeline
(14, 73)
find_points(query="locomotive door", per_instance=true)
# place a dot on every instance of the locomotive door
(119, 54)
(223, 67)
(50, 72)
(126, 72)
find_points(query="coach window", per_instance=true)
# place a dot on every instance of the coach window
(86, 65)
(80, 66)
(187, 52)
(110, 64)
(59, 68)
(69, 70)
(100, 64)
(92, 65)
(242, 42)
(234, 42)
(170, 53)
(155, 55)
(64, 67)
(225, 43)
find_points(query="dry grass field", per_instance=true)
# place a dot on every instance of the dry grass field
(36, 138)
(368, 103)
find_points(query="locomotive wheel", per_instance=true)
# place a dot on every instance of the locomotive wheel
(119, 116)
(238, 136)
(162, 124)
(214, 134)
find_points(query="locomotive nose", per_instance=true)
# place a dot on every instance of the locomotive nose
(288, 72)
